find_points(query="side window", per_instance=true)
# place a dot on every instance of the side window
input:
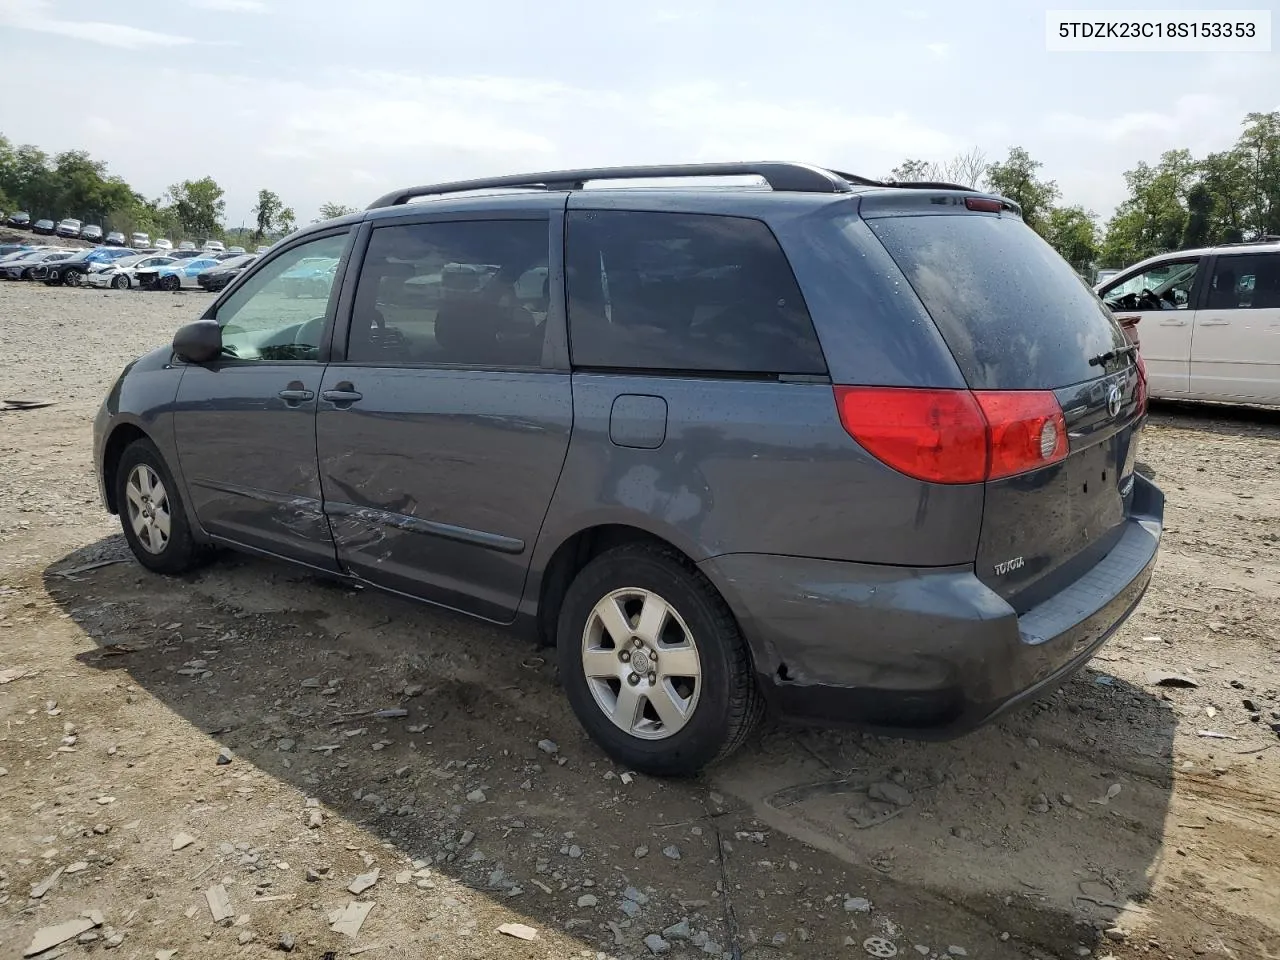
(279, 313)
(1247, 282)
(681, 292)
(470, 293)
(1166, 286)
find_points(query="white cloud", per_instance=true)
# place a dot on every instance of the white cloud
(37, 15)
(231, 6)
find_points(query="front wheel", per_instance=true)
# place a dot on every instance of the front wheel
(170, 283)
(71, 278)
(120, 282)
(151, 512)
(653, 662)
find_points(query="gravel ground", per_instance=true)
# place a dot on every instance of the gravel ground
(1101, 821)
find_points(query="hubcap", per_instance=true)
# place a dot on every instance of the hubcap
(148, 508)
(641, 663)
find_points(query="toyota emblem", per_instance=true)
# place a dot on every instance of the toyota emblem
(1113, 400)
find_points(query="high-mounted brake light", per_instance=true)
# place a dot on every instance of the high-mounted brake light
(983, 204)
(955, 436)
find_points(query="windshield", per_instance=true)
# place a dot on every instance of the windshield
(1013, 312)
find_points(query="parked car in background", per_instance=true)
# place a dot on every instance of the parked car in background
(116, 239)
(19, 220)
(92, 233)
(309, 277)
(261, 248)
(162, 243)
(69, 228)
(213, 246)
(44, 227)
(215, 278)
(23, 268)
(73, 270)
(120, 274)
(171, 276)
(235, 250)
(1104, 275)
(187, 245)
(8, 249)
(1208, 320)
(184, 254)
(954, 521)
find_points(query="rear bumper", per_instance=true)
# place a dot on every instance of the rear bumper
(925, 652)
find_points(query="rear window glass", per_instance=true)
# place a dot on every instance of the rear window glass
(684, 292)
(1013, 312)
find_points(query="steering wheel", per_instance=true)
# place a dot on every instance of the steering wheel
(1148, 300)
(308, 334)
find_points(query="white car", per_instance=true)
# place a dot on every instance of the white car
(120, 274)
(186, 245)
(164, 244)
(140, 241)
(213, 246)
(1207, 321)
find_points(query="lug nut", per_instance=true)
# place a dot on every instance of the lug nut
(637, 642)
(653, 676)
(625, 656)
(633, 679)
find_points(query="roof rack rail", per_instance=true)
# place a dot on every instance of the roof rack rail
(799, 177)
(1263, 238)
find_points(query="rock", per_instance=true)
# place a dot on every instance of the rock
(1250, 705)
(311, 683)
(678, 931)
(657, 946)
(921, 949)
(1237, 685)
(77, 867)
(574, 852)
(635, 896)
(245, 937)
(671, 852)
(314, 875)
(414, 690)
(44, 886)
(857, 905)
(465, 839)
(182, 840)
(285, 745)
(89, 936)
(549, 747)
(588, 900)
(1067, 800)
(224, 756)
(630, 908)
(640, 852)
(350, 918)
(519, 931)
(1117, 934)
(887, 792)
(46, 938)
(962, 833)
(1033, 743)
(286, 943)
(219, 903)
(957, 951)
(315, 820)
(476, 796)
(1040, 804)
(364, 881)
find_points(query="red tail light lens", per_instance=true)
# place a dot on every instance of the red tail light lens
(955, 436)
(983, 204)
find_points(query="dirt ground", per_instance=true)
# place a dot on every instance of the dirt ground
(1102, 822)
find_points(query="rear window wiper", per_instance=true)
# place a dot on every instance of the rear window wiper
(1104, 358)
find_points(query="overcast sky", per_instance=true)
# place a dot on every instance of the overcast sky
(339, 100)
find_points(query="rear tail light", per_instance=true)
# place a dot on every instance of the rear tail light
(955, 436)
(984, 204)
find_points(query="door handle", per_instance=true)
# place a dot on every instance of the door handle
(296, 393)
(343, 393)
(1173, 323)
(1214, 323)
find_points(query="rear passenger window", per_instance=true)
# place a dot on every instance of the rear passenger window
(470, 293)
(1249, 282)
(684, 292)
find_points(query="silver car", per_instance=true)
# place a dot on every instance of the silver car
(121, 274)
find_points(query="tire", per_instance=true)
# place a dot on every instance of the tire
(716, 708)
(170, 283)
(120, 283)
(71, 278)
(142, 467)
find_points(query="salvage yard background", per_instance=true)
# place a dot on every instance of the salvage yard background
(1134, 814)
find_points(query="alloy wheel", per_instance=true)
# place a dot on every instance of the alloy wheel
(148, 505)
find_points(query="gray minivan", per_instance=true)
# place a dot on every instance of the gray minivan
(860, 452)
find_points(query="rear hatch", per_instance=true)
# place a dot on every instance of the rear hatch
(1023, 327)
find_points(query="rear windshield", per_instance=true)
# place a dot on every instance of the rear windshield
(1013, 312)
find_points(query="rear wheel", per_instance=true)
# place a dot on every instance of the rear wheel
(71, 278)
(120, 282)
(170, 283)
(653, 662)
(151, 512)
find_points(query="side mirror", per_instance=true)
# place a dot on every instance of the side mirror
(198, 342)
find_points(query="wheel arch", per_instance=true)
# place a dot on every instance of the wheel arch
(121, 436)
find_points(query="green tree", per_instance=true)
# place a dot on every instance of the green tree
(273, 217)
(331, 211)
(197, 207)
(1259, 150)
(1073, 232)
(1016, 179)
